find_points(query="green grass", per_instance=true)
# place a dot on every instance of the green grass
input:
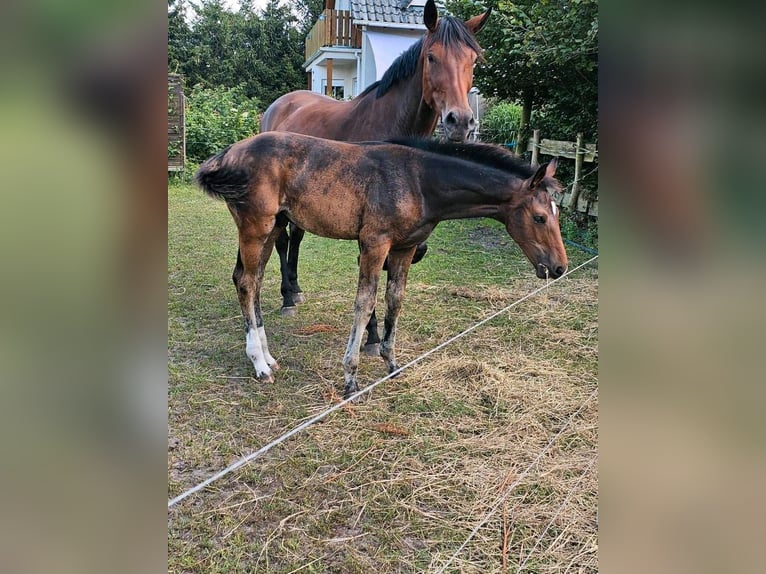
(396, 482)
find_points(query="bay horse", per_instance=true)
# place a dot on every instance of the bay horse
(428, 81)
(388, 196)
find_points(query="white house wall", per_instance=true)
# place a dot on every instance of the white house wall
(390, 39)
(396, 42)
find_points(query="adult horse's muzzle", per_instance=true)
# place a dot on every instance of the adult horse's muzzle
(458, 125)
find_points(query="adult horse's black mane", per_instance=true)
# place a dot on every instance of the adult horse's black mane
(483, 154)
(451, 32)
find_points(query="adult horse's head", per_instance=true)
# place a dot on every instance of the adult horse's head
(448, 56)
(532, 220)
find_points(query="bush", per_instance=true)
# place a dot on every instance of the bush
(580, 228)
(501, 122)
(217, 117)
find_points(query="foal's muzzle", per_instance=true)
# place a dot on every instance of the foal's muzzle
(550, 271)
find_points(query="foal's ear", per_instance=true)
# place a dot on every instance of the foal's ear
(545, 170)
(430, 15)
(551, 169)
(540, 174)
(476, 23)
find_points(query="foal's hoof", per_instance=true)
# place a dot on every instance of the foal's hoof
(391, 369)
(350, 390)
(289, 311)
(372, 350)
(299, 298)
(274, 366)
(266, 378)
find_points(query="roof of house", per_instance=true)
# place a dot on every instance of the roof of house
(393, 11)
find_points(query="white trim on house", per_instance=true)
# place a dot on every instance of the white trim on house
(419, 3)
(337, 52)
(399, 25)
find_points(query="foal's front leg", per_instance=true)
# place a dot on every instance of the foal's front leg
(398, 266)
(370, 266)
(372, 345)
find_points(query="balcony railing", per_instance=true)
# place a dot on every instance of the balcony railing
(333, 28)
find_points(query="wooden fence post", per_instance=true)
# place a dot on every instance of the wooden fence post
(579, 154)
(535, 147)
(328, 89)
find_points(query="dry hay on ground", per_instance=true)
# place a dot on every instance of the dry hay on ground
(397, 482)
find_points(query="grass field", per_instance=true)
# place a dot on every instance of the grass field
(397, 482)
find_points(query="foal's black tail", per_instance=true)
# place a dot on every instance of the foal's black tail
(227, 182)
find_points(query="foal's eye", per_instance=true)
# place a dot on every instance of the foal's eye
(539, 218)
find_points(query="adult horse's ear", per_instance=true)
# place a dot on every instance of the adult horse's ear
(540, 174)
(476, 23)
(430, 15)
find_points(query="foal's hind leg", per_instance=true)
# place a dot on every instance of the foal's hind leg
(398, 266)
(256, 243)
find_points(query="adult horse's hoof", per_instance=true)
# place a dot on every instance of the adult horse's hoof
(289, 311)
(372, 350)
(299, 298)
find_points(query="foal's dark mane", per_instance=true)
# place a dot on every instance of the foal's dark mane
(451, 32)
(483, 154)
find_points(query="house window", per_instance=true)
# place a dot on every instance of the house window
(337, 89)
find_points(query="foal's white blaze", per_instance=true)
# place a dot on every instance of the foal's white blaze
(254, 349)
(265, 347)
(554, 208)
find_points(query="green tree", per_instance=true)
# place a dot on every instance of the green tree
(259, 50)
(307, 12)
(213, 46)
(178, 35)
(544, 55)
(278, 69)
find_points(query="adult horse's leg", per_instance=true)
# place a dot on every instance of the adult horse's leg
(288, 302)
(372, 346)
(256, 243)
(239, 269)
(420, 252)
(370, 266)
(398, 266)
(296, 236)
